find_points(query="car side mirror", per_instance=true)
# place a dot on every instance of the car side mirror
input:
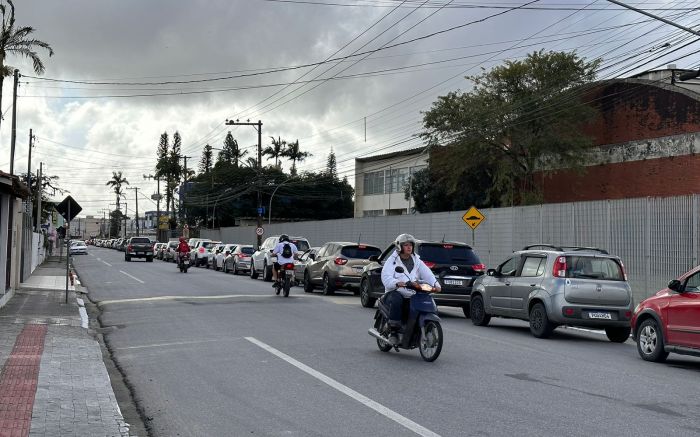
(399, 269)
(675, 285)
(492, 272)
(312, 257)
(374, 258)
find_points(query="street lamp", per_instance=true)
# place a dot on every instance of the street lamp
(269, 208)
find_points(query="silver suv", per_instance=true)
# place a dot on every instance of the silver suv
(551, 286)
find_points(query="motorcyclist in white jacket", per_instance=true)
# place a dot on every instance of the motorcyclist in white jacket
(415, 270)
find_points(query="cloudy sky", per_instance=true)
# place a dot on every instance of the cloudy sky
(126, 71)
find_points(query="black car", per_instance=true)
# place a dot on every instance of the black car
(455, 265)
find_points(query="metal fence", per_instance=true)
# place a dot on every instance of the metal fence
(657, 238)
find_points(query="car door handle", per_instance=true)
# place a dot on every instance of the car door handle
(507, 283)
(533, 285)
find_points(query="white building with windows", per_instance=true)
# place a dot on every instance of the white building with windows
(380, 182)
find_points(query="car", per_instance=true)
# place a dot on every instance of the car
(170, 251)
(301, 262)
(263, 258)
(78, 247)
(218, 254)
(338, 265)
(669, 321)
(199, 254)
(455, 264)
(138, 247)
(551, 285)
(239, 260)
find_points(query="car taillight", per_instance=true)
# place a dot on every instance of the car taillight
(340, 261)
(243, 255)
(430, 264)
(130, 248)
(201, 250)
(289, 266)
(479, 267)
(559, 270)
(624, 272)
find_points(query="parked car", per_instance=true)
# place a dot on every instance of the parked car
(300, 264)
(455, 264)
(157, 249)
(78, 247)
(199, 254)
(338, 265)
(551, 286)
(138, 247)
(170, 251)
(263, 259)
(239, 260)
(218, 255)
(669, 321)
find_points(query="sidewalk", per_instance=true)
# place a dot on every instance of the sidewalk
(53, 381)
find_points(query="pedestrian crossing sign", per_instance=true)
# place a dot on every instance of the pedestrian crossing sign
(473, 218)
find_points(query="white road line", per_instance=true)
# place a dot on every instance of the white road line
(179, 343)
(379, 408)
(107, 263)
(132, 277)
(157, 298)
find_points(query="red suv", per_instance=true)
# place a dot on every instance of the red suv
(669, 321)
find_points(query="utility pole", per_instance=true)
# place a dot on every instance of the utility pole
(258, 127)
(157, 204)
(126, 210)
(14, 124)
(29, 177)
(136, 189)
(183, 214)
(40, 188)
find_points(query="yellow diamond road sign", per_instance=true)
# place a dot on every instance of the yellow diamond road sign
(473, 218)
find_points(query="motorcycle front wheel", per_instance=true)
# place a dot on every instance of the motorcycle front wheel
(430, 344)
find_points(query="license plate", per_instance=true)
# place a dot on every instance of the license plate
(453, 282)
(604, 316)
(187, 262)
(358, 268)
(289, 272)
(139, 253)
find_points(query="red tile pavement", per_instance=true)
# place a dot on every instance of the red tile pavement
(18, 381)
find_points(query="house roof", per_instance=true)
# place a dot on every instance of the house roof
(409, 152)
(11, 184)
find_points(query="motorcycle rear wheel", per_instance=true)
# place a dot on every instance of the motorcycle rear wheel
(430, 346)
(383, 329)
(286, 286)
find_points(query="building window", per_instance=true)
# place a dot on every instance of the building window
(395, 180)
(374, 183)
(372, 213)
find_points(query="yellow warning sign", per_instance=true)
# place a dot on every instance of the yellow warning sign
(473, 218)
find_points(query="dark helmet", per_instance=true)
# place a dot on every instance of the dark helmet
(284, 237)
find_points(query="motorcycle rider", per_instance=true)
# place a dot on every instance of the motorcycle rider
(182, 248)
(395, 283)
(286, 252)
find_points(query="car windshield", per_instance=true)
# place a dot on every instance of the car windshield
(360, 251)
(248, 250)
(208, 244)
(590, 267)
(302, 245)
(446, 253)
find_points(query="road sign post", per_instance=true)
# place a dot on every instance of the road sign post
(473, 218)
(68, 208)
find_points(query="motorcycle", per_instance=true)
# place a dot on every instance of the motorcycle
(420, 328)
(285, 277)
(184, 262)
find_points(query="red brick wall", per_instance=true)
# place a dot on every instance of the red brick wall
(630, 112)
(652, 177)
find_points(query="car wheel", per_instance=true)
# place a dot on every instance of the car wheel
(267, 273)
(478, 312)
(618, 335)
(308, 286)
(149, 259)
(366, 299)
(235, 268)
(650, 342)
(127, 258)
(207, 264)
(253, 272)
(225, 267)
(540, 326)
(328, 288)
(466, 309)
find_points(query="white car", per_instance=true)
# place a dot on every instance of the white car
(78, 247)
(263, 259)
(199, 255)
(218, 255)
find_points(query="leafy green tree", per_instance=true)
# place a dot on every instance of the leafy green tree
(18, 41)
(295, 155)
(116, 183)
(276, 150)
(116, 218)
(520, 118)
(205, 163)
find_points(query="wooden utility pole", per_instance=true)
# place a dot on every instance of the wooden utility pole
(136, 189)
(13, 139)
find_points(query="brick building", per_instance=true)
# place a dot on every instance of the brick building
(646, 143)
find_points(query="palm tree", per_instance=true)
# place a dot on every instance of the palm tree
(116, 182)
(276, 150)
(16, 41)
(295, 155)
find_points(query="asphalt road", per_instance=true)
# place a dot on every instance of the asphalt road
(209, 353)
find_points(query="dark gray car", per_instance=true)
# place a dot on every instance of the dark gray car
(551, 286)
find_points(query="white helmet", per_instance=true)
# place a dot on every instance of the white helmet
(404, 238)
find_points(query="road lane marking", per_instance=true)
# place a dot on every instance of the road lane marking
(379, 408)
(157, 298)
(132, 277)
(107, 263)
(178, 343)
